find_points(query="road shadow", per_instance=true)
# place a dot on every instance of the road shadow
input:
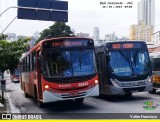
(158, 93)
(65, 106)
(123, 98)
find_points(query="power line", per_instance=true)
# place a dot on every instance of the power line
(8, 25)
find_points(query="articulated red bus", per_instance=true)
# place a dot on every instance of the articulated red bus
(59, 69)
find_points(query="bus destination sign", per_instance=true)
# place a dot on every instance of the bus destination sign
(126, 45)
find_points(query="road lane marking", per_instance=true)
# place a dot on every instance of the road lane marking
(90, 102)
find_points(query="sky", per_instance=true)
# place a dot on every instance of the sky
(83, 16)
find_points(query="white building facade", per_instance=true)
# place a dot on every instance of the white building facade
(96, 33)
(111, 37)
(156, 38)
(146, 12)
(83, 35)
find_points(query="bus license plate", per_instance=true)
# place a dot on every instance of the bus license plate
(140, 83)
(74, 94)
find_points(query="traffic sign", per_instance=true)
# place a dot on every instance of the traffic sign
(49, 10)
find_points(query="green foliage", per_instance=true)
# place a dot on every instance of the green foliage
(3, 37)
(10, 53)
(58, 29)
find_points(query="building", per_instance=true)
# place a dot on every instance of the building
(84, 35)
(96, 34)
(34, 38)
(111, 37)
(21, 37)
(156, 38)
(146, 12)
(11, 37)
(73, 32)
(152, 47)
(141, 32)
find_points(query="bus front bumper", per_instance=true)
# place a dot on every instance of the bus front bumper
(52, 97)
(112, 90)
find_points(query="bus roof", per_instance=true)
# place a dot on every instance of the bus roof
(38, 45)
(125, 42)
(154, 55)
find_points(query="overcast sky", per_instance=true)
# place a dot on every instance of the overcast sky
(83, 16)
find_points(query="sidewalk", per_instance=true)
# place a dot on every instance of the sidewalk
(4, 107)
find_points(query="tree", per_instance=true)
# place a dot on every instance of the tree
(10, 53)
(3, 37)
(58, 29)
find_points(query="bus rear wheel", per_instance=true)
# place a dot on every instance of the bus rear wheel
(79, 100)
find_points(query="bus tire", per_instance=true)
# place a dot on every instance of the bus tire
(153, 91)
(128, 95)
(39, 103)
(79, 100)
(26, 95)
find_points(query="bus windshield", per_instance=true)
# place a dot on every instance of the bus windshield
(68, 63)
(129, 62)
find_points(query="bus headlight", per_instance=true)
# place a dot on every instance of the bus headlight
(46, 87)
(96, 81)
(114, 83)
(149, 80)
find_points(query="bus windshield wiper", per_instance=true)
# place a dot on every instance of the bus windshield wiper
(81, 56)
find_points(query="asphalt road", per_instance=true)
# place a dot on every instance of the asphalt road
(92, 106)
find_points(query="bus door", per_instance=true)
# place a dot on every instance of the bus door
(101, 71)
(39, 81)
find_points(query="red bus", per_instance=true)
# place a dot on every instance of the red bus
(59, 69)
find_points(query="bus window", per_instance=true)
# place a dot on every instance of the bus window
(69, 63)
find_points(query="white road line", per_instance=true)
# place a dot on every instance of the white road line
(156, 97)
(90, 102)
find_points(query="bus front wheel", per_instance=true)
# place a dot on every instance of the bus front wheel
(39, 103)
(26, 95)
(153, 91)
(79, 100)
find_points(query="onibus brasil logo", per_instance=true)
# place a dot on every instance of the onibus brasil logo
(150, 105)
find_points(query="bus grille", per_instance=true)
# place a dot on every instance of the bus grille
(129, 90)
(80, 94)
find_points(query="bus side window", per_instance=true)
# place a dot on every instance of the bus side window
(33, 61)
(25, 64)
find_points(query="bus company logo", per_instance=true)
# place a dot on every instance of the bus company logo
(83, 84)
(64, 85)
(150, 105)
